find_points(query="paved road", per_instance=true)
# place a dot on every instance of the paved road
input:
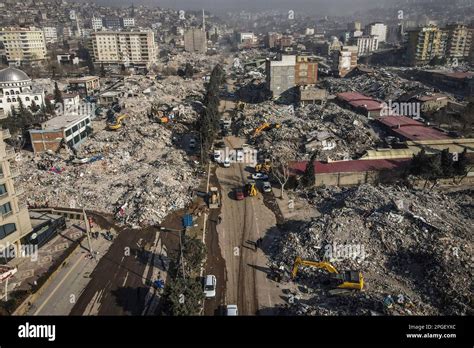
(243, 222)
(120, 282)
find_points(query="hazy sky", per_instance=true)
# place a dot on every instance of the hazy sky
(324, 7)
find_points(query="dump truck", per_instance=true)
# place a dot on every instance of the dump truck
(214, 198)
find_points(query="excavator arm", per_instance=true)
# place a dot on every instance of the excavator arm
(300, 262)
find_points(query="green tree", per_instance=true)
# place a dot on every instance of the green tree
(447, 164)
(182, 297)
(34, 107)
(460, 167)
(194, 252)
(103, 73)
(58, 97)
(427, 167)
(309, 176)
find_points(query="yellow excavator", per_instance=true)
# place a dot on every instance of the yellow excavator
(346, 280)
(265, 126)
(251, 188)
(116, 123)
(264, 167)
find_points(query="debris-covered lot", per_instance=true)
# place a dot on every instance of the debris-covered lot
(139, 173)
(416, 251)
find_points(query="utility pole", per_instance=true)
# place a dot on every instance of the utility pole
(88, 234)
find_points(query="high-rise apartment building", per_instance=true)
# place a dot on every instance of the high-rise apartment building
(306, 70)
(124, 47)
(281, 74)
(379, 30)
(23, 45)
(366, 45)
(195, 40)
(15, 222)
(459, 41)
(426, 43)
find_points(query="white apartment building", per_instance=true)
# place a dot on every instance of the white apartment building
(96, 23)
(23, 45)
(124, 47)
(128, 22)
(367, 45)
(50, 34)
(379, 30)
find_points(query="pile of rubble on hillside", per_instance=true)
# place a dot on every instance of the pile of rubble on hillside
(337, 132)
(413, 248)
(139, 173)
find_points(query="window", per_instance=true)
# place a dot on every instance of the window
(5, 208)
(14, 100)
(7, 229)
(76, 139)
(36, 97)
(3, 189)
(75, 128)
(9, 100)
(68, 132)
(27, 98)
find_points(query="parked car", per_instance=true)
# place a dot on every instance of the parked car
(259, 176)
(231, 310)
(226, 163)
(239, 193)
(217, 156)
(267, 187)
(210, 286)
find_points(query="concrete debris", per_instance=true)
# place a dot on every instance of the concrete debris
(338, 133)
(139, 173)
(416, 251)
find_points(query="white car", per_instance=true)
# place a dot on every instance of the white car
(267, 187)
(217, 156)
(210, 286)
(259, 176)
(232, 310)
(226, 163)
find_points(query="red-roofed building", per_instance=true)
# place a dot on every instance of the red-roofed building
(358, 102)
(406, 128)
(354, 172)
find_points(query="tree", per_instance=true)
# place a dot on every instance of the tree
(34, 107)
(188, 71)
(281, 170)
(447, 164)
(102, 71)
(460, 167)
(194, 252)
(182, 297)
(58, 97)
(309, 176)
(427, 167)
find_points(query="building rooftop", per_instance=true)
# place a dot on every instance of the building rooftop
(61, 122)
(411, 129)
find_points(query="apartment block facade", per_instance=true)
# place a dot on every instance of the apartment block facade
(15, 222)
(23, 45)
(306, 71)
(426, 43)
(459, 43)
(195, 40)
(124, 47)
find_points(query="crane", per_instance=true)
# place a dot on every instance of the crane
(346, 280)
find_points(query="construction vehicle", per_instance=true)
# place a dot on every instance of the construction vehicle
(265, 126)
(251, 188)
(352, 280)
(264, 167)
(214, 198)
(115, 123)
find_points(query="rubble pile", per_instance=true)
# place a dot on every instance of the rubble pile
(414, 251)
(377, 85)
(139, 173)
(337, 132)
